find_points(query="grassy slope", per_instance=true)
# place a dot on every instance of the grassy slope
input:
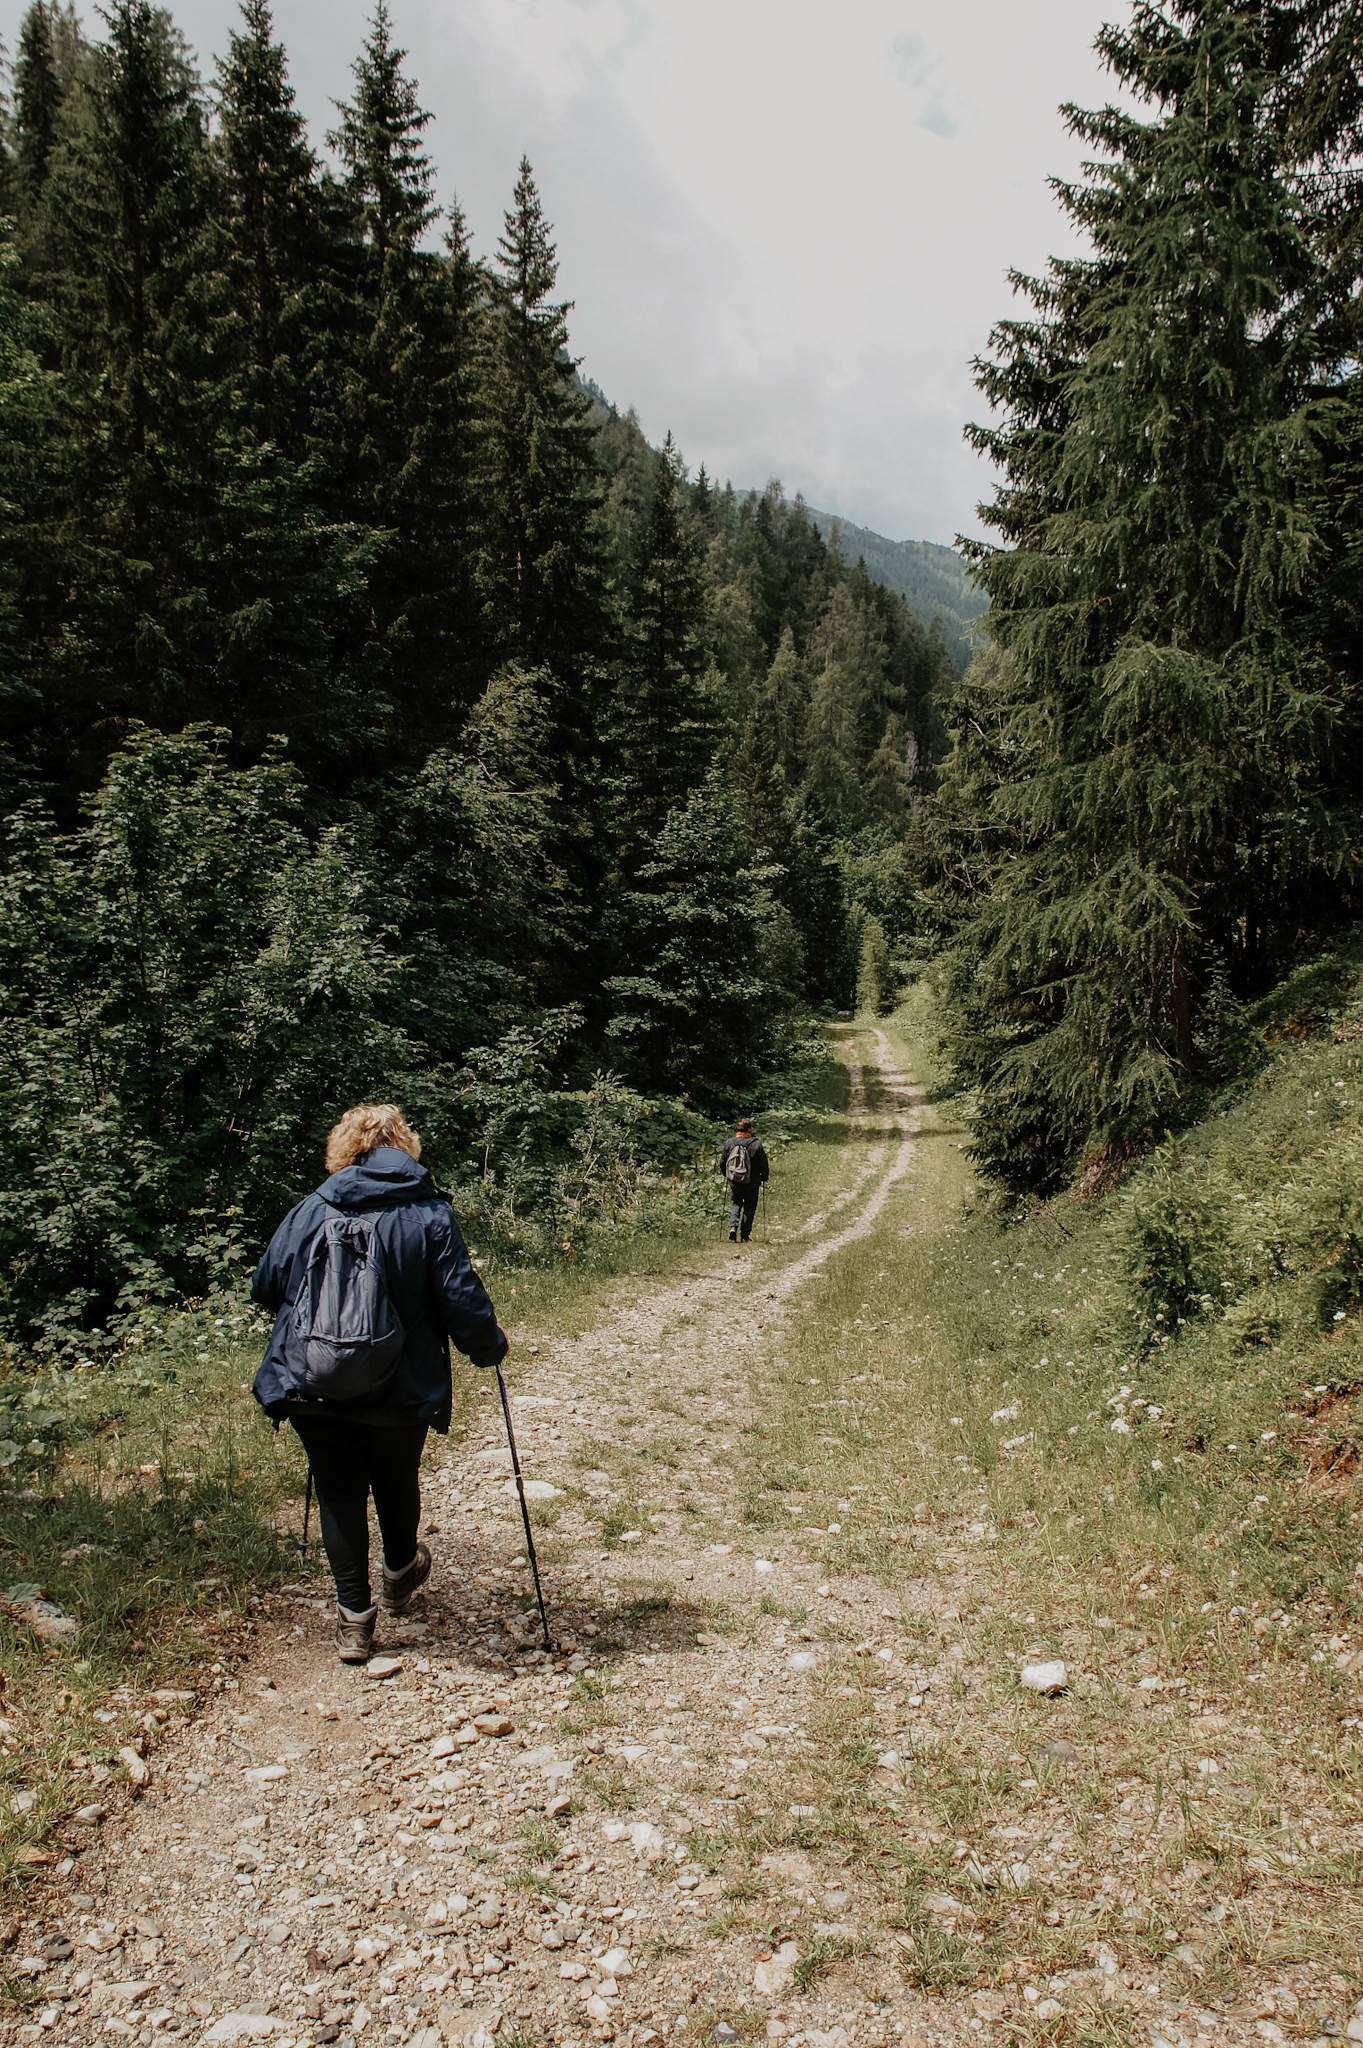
(1196, 1568)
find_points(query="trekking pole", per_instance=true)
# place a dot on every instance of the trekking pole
(764, 1212)
(525, 1512)
(307, 1510)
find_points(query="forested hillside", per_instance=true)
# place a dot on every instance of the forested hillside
(1150, 814)
(932, 579)
(383, 716)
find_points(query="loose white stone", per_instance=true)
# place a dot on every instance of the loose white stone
(245, 2026)
(1049, 1677)
(771, 1978)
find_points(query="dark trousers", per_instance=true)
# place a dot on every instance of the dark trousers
(351, 1460)
(745, 1206)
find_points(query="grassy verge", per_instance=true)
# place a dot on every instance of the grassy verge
(1126, 1433)
(146, 1515)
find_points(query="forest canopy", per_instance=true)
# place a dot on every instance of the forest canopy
(383, 715)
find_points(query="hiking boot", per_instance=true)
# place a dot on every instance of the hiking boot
(733, 1237)
(398, 1587)
(355, 1635)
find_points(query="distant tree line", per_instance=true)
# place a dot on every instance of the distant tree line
(374, 695)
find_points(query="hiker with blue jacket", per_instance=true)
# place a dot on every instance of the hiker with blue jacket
(369, 1280)
(744, 1166)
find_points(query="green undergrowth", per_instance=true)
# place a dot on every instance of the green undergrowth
(147, 1507)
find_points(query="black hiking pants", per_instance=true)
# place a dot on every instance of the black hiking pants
(744, 1207)
(351, 1460)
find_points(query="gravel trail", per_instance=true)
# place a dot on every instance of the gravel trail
(322, 1855)
(678, 1827)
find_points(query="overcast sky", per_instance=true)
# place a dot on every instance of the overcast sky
(786, 224)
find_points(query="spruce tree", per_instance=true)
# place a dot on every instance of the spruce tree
(37, 101)
(1156, 778)
(126, 494)
(664, 712)
(875, 974)
(539, 569)
(402, 412)
(693, 1010)
(49, 50)
(269, 229)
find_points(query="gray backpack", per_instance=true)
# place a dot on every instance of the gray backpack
(344, 1335)
(738, 1168)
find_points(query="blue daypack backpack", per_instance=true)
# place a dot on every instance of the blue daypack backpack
(344, 1335)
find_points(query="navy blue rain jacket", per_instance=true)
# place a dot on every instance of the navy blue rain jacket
(431, 1284)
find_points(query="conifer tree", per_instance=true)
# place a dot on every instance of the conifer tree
(691, 1009)
(37, 101)
(847, 689)
(539, 571)
(124, 204)
(886, 782)
(1156, 778)
(50, 47)
(403, 409)
(875, 974)
(665, 718)
(269, 229)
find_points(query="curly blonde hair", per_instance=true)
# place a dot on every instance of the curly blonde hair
(366, 1126)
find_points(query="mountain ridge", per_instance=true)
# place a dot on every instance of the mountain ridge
(933, 579)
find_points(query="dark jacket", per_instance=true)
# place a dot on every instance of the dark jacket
(431, 1284)
(758, 1170)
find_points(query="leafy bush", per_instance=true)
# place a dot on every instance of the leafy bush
(191, 988)
(1175, 1243)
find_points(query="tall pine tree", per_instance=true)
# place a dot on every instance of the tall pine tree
(1156, 775)
(114, 599)
(270, 226)
(49, 47)
(402, 417)
(539, 570)
(665, 714)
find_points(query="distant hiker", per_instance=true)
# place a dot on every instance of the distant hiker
(369, 1279)
(744, 1166)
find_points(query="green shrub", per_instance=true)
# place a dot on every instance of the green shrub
(1175, 1244)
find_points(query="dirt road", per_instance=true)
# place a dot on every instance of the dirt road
(620, 1841)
